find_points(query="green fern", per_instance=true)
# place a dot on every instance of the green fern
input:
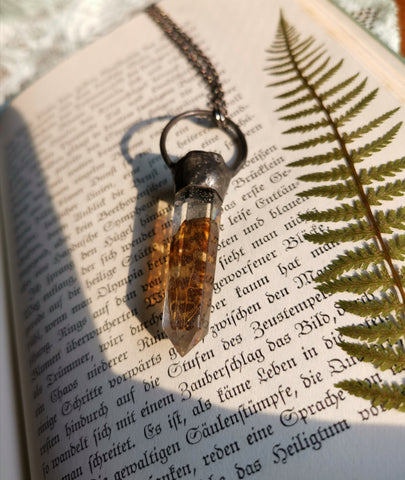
(384, 357)
(323, 110)
(384, 331)
(388, 396)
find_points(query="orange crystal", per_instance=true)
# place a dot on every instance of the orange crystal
(190, 282)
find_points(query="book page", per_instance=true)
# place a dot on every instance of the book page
(89, 201)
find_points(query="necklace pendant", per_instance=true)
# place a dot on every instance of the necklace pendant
(201, 180)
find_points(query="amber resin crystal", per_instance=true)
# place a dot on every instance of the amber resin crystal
(192, 258)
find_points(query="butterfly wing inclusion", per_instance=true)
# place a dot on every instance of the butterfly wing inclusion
(191, 269)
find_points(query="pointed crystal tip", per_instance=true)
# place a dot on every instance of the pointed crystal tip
(184, 340)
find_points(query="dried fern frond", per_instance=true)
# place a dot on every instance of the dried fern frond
(371, 268)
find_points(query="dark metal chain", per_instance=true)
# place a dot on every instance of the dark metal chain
(195, 56)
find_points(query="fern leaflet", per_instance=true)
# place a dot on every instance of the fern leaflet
(345, 99)
(339, 173)
(359, 132)
(335, 154)
(380, 356)
(326, 76)
(388, 396)
(388, 169)
(356, 109)
(336, 190)
(359, 283)
(337, 88)
(360, 258)
(375, 146)
(344, 212)
(352, 233)
(302, 113)
(308, 127)
(385, 331)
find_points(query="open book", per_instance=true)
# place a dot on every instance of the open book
(87, 201)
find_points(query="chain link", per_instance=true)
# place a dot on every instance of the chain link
(195, 56)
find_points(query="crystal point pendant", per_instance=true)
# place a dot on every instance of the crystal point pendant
(192, 259)
(200, 180)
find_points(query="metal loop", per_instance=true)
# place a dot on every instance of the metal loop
(220, 121)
